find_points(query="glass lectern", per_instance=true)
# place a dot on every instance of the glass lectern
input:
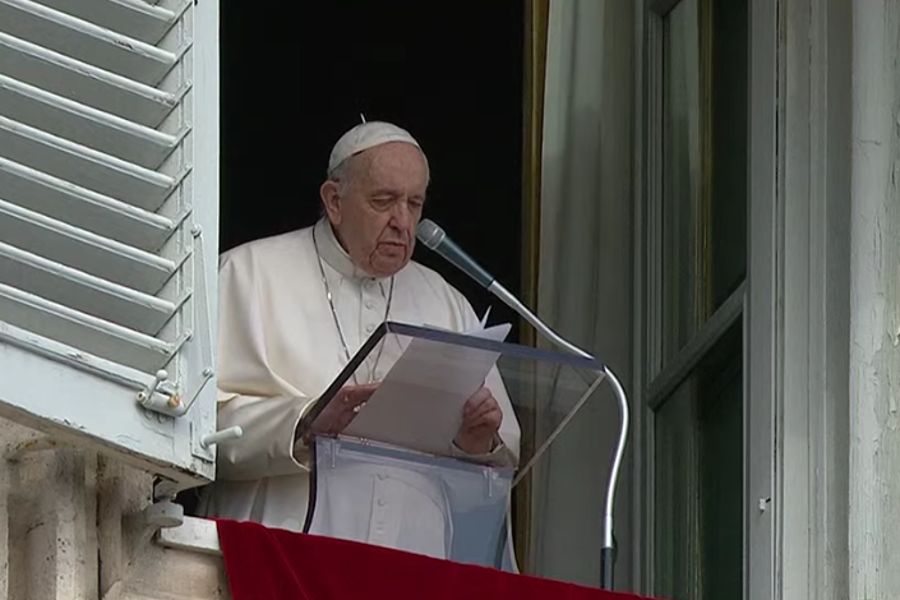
(394, 476)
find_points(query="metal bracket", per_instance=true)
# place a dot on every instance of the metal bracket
(145, 396)
(201, 444)
(171, 405)
(196, 342)
(231, 433)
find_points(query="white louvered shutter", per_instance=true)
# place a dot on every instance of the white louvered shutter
(108, 225)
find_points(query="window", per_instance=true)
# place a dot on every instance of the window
(108, 203)
(694, 284)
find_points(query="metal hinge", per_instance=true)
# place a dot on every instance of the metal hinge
(175, 399)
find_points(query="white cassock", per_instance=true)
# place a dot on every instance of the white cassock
(279, 350)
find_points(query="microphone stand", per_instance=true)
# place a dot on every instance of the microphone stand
(607, 551)
(431, 234)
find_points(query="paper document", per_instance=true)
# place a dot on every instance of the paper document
(483, 322)
(419, 403)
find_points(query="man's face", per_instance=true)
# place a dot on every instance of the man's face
(375, 213)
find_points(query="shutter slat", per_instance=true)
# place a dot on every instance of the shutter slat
(108, 215)
(78, 164)
(135, 18)
(82, 291)
(79, 81)
(93, 335)
(85, 41)
(83, 250)
(83, 208)
(63, 354)
(94, 128)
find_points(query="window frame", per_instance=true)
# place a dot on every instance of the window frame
(753, 303)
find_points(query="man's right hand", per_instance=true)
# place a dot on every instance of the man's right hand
(342, 409)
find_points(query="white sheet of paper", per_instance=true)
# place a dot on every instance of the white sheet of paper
(419, 403)
(483, 322)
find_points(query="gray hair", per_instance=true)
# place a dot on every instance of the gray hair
(343, 173)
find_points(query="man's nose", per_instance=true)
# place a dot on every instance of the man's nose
(401, 216)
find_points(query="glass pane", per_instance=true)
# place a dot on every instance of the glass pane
(728, 239)
(677, 529)
(704, 134)
(699, 480)
(454, 509)
(414, 380)
(681, 175)
(568, 494)
(721, 475)
(410, 383)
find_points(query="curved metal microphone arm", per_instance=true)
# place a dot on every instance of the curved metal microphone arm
(431, 234)
(511, 301)
(607, 556)
(608, 550)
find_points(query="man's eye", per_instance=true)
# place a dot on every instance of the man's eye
(381, 201)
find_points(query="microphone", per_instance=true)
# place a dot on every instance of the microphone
(431, 234)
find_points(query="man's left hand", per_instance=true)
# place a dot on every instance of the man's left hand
(481, 422)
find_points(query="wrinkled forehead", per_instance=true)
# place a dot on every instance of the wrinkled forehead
(396, 164)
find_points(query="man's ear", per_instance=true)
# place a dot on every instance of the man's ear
(331, 200)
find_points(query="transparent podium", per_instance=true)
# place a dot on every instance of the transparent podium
(386, 467)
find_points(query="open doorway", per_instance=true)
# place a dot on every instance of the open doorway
(295, 77)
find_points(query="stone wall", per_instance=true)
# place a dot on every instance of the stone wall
(71, 528)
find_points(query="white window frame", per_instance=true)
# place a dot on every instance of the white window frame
(811, 275)
(761, 322)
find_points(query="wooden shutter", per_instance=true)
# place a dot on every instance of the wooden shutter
(108, 225)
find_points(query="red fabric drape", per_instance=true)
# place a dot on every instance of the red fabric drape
(273, 564)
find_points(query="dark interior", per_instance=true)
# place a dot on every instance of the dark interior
(294, 78)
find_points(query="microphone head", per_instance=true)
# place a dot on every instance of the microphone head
(430, 233)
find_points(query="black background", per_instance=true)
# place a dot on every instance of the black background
(296, 75)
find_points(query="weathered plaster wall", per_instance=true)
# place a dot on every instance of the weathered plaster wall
(875, 303)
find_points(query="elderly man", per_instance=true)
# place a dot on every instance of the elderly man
(293, 310)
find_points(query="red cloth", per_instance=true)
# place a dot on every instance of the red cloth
(273, 564)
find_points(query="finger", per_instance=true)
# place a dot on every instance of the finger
(487, 412)
(345, 418)
(486, 405)
(360, 394)
(366, 388)
(491, 419)
(338, 413)
(487, 419)
(476, 400)
(324, 421)
(331, 420)
(354, 400)
(341, 424)
(478, 440)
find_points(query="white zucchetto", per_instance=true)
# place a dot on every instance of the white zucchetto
(365, 136)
